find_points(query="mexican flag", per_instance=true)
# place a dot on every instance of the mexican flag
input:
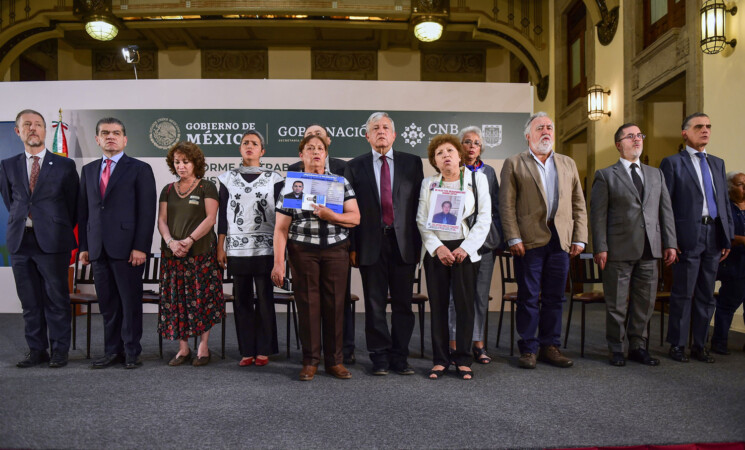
(59, 146)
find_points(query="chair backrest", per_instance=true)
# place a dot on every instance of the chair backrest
(506, 269)
(151, 274)
(418, 279)
(83, 275)
(583, 270)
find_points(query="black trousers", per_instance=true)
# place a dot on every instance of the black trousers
(119, 290)
(41, 283)
(460, 278)
(255, 320)
(389, 273)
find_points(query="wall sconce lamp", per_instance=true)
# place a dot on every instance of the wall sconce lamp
(100, 23)
(713, 38)
(597, 102)
(131, 54)
(428, 18)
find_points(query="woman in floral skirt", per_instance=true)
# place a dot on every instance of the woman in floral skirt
(191, 296)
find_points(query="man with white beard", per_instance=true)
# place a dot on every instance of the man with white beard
(545, 223)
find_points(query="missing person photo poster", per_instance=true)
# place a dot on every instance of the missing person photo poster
(445, 210)
(303, 190)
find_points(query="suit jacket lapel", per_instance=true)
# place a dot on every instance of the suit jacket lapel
(620, 171)
(530, 164)
(369, 171)
(688, 164)
(649, 180)
(398, 172)
(21, 168)
(119, 170)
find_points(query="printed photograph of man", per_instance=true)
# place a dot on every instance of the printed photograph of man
(445, 216)
(297, 191)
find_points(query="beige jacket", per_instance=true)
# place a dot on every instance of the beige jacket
(523, 207)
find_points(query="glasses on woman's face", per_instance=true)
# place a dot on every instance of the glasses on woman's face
(632, 137)
(470, 142)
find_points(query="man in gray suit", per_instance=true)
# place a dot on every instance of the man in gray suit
(632, 222)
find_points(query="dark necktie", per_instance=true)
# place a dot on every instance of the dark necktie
(105, 177)
(637, 180)
(34, 173)
(386, 196)
(711, 202)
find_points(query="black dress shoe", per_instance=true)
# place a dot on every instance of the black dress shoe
(349, 359)
(58, 360)
(701, 354)
(617, 359)
(403, 369)
(678, 354)
(33, 358)
(107, 360)
(380, 369)
(720, 349)
(132, 362)
(642, 356)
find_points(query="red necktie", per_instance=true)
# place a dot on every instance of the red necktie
(34, 173)
(386, 197)
(105, 177)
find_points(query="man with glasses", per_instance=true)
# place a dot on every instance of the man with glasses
(632, 221)
(545, 223)
(697, 185)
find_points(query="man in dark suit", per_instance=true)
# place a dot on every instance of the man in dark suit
(386, 245)
(117, 217)
(697, 185)
(335, 166)
(39, 189)
(632, 221)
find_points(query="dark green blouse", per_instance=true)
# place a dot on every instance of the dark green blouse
(185, 215)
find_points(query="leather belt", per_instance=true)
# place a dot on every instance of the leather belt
(388, 230)
(28, 229)
(550, 222)
(706, 220)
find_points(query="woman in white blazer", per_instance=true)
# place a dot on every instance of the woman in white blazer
(451, 252)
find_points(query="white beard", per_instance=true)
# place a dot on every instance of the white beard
(544, 147)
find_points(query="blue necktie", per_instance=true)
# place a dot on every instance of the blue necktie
(711, 202)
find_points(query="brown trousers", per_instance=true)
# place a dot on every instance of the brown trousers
(319, 282)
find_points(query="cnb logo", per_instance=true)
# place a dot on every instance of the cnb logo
(164, 132)
(412, 134)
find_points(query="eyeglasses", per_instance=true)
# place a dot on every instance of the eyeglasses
(640, 136)
(469, 142)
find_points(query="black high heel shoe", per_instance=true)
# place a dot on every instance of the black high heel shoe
(480, 356)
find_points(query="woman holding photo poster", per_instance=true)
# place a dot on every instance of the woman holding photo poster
(317, 242)
(451, 252)
(472, 140)
(245, 231)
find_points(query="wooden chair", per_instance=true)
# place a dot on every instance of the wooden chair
(227, 279)
(420, 301)
(664, 283)
(582, 270)
(507, 270)
(83, 276)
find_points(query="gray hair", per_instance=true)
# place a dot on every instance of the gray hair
(471, 129)
(731, 176)
(253, 133)
(687, 121)
(29, 111)
(531, 119)
(376, 116)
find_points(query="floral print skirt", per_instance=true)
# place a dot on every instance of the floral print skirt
(191, 295)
